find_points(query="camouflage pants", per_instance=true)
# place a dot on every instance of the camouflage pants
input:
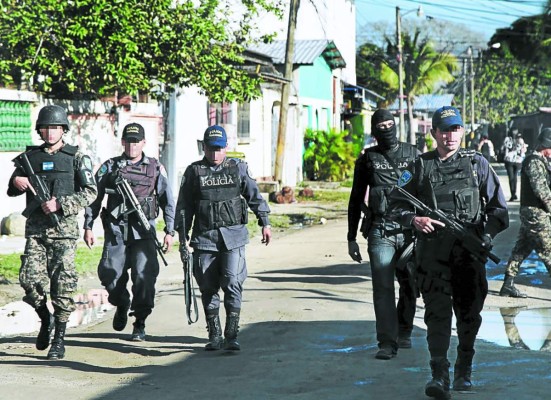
(534, 234)
(48, 265)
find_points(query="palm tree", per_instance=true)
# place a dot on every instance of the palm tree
(424, 70)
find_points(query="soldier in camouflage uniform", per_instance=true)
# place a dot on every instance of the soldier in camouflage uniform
(535, 209)
(47, 264)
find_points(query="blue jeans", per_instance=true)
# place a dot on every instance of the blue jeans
(392, 320)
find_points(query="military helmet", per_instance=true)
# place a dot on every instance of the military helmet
(52, 115)
(544, 138)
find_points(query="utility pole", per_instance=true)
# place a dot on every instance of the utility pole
(464, 97)
(400, 76)
(285, 90)
(472, 88)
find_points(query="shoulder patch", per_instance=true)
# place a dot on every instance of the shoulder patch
(87, 162)
(103, 170)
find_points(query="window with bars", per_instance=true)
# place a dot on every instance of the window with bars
(244, 121)
(219, 113)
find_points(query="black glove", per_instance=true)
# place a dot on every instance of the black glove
(354, 251)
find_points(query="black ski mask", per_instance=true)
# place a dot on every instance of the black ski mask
(386, 137)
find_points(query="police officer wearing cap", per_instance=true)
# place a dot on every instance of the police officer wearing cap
(214, 198)
(48, 263)
(535, 210)
(127, 246)
(378, 168)
(452, 280)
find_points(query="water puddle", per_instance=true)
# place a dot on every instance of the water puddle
(518, 327)
(299, 221)
(532, 266)
(19, 318)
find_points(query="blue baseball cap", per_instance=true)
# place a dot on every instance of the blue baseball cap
(215, 136)
(446, 117)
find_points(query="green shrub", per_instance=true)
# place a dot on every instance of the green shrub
(327, 156)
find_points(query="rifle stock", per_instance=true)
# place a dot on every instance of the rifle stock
(124, 189)
(469, 241)
(42, 191)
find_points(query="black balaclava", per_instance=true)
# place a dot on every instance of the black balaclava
(386, 137)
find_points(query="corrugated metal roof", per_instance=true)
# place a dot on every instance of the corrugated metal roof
(306, 52)
(427, 102)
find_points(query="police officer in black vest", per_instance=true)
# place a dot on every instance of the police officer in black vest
(451, 279)
(48, 264)
(214, 196)
(378, 168)
(128, 246)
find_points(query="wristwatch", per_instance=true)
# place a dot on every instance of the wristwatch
(171, 233)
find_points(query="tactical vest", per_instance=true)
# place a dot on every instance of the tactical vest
(219, 201)
(527, 196)
(142, 179)
(454, 186)
(57, 170)
(383, 177)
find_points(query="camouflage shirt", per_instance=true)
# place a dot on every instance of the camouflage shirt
(39, 224)
(536, 170)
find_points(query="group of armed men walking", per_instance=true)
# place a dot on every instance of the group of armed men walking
(429, 220)
(59, 182)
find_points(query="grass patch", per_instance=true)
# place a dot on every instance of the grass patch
(86, 261)
(327, 196)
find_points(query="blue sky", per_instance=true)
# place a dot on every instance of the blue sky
(484, 16)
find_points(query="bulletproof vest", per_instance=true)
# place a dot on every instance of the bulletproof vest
(454, 186)
(527, 196)
(142, 179)
(382, 175)
(219, 201)
(56, 170)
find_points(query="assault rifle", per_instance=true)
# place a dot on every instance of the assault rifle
(468, 240)
(187, 261)
(132, 205)
(42, 191)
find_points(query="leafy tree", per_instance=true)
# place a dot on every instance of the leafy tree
(327, 156)
(504, 87)
(97, 47)
(425, 69)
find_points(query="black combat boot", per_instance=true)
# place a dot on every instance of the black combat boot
(138, 333)
(231, 330)
(57, 350)
(46, 327)
(462, 370)
(439, 386)
(509, 290)
(121, 318)
(214, 329)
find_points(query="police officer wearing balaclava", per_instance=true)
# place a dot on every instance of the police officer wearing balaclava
(376, 172)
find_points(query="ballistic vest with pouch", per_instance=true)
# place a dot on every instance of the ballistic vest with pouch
(142, 179)
(454, 186)
(219, 201)
(383, 175)
(56, 170)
